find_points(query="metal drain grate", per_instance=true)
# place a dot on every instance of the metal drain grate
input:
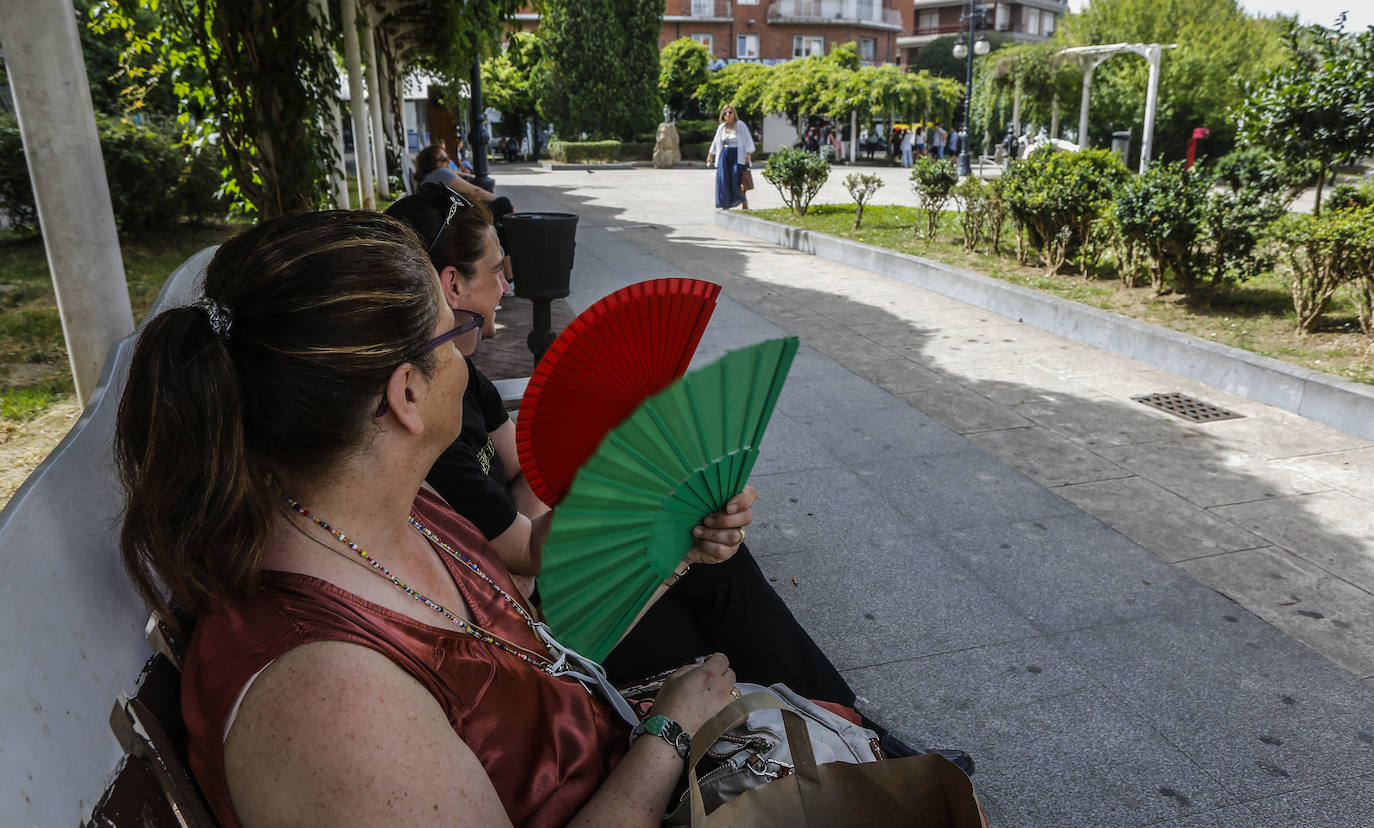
(1181, 405)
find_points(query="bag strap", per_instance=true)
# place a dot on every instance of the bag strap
(798, 742)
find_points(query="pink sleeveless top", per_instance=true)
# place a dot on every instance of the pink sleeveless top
(546, 743)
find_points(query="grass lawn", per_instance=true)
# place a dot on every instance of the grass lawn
(1256, 315)
(35, 377)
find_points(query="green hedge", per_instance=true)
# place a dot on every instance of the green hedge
(585, 152)
(154, 180)
(637, 151)
(695, 152)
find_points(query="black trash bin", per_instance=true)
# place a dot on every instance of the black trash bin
(541, 252)
(541, 247)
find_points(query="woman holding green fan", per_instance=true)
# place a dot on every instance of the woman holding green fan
(727, 606)
(360, 656)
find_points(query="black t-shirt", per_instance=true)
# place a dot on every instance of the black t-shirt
(470, 474)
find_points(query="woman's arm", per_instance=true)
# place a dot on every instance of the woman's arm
(334, 734)
(715, 144)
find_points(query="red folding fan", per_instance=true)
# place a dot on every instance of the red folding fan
(617, 353)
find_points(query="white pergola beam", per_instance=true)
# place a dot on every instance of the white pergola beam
(1089, 57)
(62, 147)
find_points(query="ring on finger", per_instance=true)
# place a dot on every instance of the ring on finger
(742, 534)
(734, 691)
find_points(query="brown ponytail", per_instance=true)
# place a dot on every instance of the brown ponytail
(319, 308)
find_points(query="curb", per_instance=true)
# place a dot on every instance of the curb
(1336, 402)
(555, 165)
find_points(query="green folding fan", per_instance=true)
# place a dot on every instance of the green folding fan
(626, 522)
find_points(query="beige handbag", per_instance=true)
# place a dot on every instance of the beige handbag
(927, 790)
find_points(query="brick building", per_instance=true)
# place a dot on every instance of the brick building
(1024, 20)
(772, 31)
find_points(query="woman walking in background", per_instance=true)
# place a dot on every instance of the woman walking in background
(731, 144)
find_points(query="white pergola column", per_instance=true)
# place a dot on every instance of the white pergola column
(853, 136)
(1016, 112)
(374, 108)
(1152, 53)
(1083, 106)
(52, 101)
(352, 56)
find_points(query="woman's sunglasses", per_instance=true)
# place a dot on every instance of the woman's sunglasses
(466, 336)
(455, 203)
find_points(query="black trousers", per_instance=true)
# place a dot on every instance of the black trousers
(728, 608)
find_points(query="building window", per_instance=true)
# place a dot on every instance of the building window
(709, 41)
(868, 50)
(1047, 22)
(804, 45)
(747, 46)
(1003, 17)
(928, 20)
(746, 2)
(1032, 21)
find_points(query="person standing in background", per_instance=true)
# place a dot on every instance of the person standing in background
(731, 150)
(908, 142)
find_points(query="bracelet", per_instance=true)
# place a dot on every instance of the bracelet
(666, 729)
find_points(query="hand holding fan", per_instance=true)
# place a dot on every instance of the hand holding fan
(614, 355)
(627, 519)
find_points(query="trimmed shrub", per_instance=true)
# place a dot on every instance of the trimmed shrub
(798, 175)
(154, 179)
(698, 151)
(1056, 197)
(933, 181)
(16, 193)
(585, 152)
(861, 189)
(1324, 252)
(636, 150)
(1202, 239)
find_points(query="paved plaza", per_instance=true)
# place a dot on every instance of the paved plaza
(1127, 619)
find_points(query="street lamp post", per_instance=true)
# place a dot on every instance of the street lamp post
(974, 15)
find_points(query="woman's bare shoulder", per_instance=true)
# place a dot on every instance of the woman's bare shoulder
(334, 733)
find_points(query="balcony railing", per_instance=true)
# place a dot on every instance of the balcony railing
(698, 10)
(962, 28)
(861, 12)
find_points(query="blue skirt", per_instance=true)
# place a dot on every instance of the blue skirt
(728, 193)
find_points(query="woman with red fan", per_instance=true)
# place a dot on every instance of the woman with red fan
(727, 606)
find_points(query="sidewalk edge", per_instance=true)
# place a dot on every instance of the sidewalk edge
(1321, 397)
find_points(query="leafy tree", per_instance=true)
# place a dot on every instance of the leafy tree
(506, 82)
(1319, 105)
(599, 71)
(266, 82)
(740, 84)
(1220, 46)
(937, 56)
(1037, 71)
(683, 67)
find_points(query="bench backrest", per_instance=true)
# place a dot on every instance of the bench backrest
(73, 625)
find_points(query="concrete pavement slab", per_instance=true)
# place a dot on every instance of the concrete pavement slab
(1205, 473)
(1326, 528)
(1045, 457)
(1299, 598)
(1349, 471)
(1069, 571)
(1082, 759)
(1349, 803)
(1111, 423)
(1262, 713)
(949, 491)
(1133, 506)
(963, 410)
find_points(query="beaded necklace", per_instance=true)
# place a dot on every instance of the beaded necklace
(464, 625)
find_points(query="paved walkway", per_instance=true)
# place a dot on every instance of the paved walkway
(1005, 553)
